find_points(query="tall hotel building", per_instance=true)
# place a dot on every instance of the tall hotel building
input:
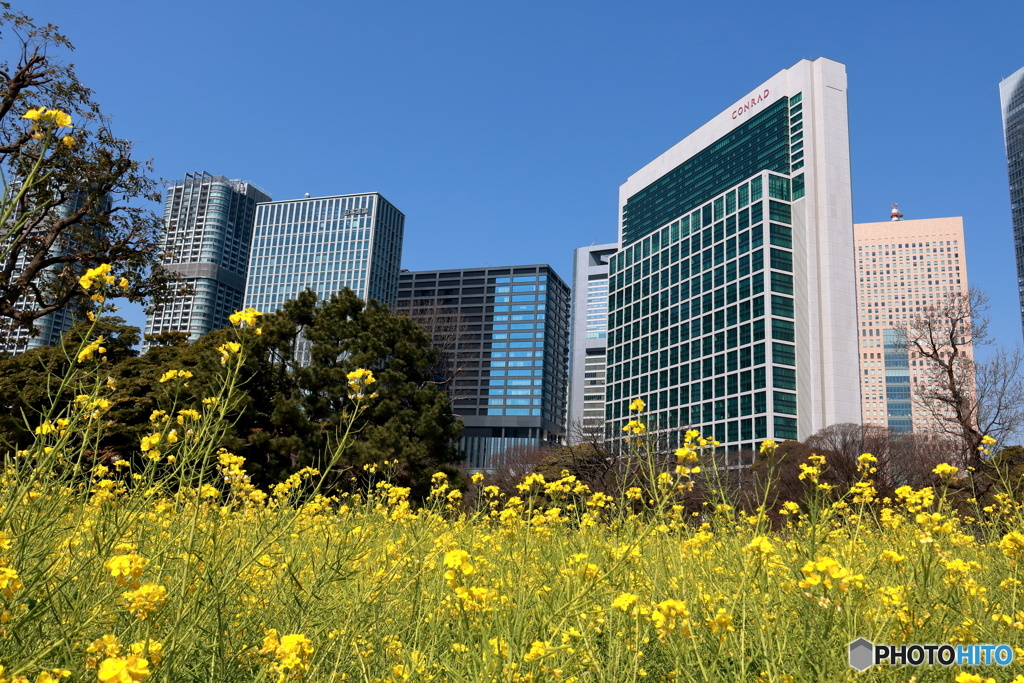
(512, 351)
(902, 266)
(1011, 97)
(325, 244)
(732, 302)
(588, 339)
(208, 228)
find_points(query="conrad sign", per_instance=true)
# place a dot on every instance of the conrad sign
(750, 104)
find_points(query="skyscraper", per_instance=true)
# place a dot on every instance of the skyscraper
(1011, 97)
(732, 302)
(902, 266)
(513, 352)
(588, 338)
(325, 244)
(208, 221)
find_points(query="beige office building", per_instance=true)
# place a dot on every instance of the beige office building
(902, 267)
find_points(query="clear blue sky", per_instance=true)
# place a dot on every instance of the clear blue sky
(503, 130)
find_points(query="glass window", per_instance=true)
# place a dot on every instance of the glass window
(785, 428)
(782, 306)
(784, 378)
(781, 236)
(782, 283)
(783, 354)
(778, 187)
(782, 260)
(777, 211)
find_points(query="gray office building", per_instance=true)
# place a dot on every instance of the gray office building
(325, 244)
(208, 230)
(511, 349)
(588, 340)
(1011, 97)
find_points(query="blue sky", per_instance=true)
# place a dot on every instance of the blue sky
(503, 130)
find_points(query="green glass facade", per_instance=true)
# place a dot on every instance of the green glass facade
(762, 143)
(702, 298)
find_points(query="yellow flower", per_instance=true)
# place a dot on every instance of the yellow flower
(68, 141)
(671, 615)
(637, 405)
(945, 470)
(768, 447)
(459, 559)
(123, 567)
(539, 649)
(1012, 544)
(123, 669)
(97, 273)
(292, 653)
(760, 544)
(145, 599)
(227, 350)
(9, 582)
(91, 349)
(123, 284)
(721, 623)
(624, 601)
(358, 381)
(246, 317)
(62, 119)
(172, 374)
(155, 650)
(635, 427)
(965, 677)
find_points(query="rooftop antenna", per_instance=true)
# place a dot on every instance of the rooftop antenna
(895, 214)
(307, 197)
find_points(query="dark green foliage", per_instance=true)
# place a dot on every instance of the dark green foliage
(291, 415)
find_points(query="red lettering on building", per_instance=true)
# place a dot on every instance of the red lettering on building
(752, 102)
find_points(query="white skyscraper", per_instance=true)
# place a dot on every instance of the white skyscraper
(732, 302)
(588, 338)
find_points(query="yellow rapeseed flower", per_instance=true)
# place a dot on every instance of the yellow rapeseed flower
(638, 405)
(123, 669)
(624, 601)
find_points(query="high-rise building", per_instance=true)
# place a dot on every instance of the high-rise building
(903, 266)
(208, 229)
(513, 353)
(325, 244)
(588, 339)
(1011, 97)
(49, 328)
(732, 301)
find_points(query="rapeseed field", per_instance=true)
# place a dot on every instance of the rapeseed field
(175, 567)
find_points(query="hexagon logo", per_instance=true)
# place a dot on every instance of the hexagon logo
(862, 654)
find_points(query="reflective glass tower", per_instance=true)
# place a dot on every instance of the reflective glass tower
(588, 339)
(732, 306)
(1011, 97)
(513, 353)
(208, 221)
(325, 244)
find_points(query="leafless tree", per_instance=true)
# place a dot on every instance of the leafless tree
(903, 458)
(966, 400)
(447, 328)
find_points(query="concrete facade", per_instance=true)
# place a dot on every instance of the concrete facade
(902, 267)
(588, 339)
